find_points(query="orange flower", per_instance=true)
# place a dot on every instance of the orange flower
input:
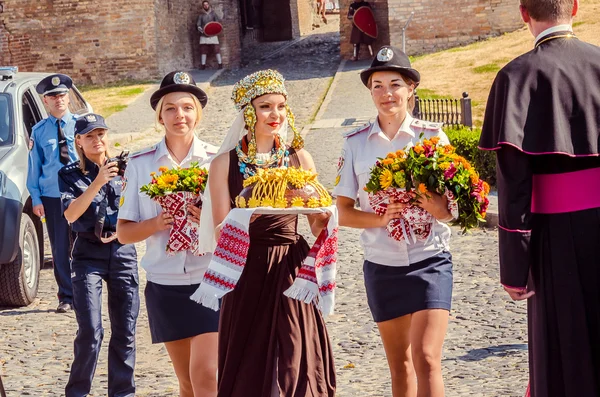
(400, 153)
(163, 169)
(387, 161)
(435, 140)
(418, 149)
(486, 188)
(426, 142)
(449, 148)
(391, 155)
(422, 188)
(474, 178)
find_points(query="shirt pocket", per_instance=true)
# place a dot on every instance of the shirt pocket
(49, 147)
(363, 173)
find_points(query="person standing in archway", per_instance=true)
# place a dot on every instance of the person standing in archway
(207, 43)
(357, 37)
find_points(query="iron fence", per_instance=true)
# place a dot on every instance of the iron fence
(453, 112)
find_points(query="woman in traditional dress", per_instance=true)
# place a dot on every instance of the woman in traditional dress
(269, 344)
(408, 283)
(188, 330)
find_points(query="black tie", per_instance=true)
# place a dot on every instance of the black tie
(62, 144)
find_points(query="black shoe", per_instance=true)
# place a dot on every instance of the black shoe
(202, 67)
(64, 307)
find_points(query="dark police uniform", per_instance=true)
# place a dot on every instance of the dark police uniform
(51, 149)
(95, 261)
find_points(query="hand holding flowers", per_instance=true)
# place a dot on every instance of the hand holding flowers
(178, 191)
(430, 179)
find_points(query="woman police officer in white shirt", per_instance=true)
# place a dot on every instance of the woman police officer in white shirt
(409, 286)
(188, 330)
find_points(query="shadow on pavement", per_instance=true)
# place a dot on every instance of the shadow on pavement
(494, 351)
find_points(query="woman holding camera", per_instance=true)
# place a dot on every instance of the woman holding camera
(90, 192)
(188, 330)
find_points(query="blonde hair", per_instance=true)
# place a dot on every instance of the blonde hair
(410, 105)
(81, 153)
(159, 107)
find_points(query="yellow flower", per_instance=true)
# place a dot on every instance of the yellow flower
(326, 201)
(163, 169)
(313, 202)
(281, 203)
(253, 203)
(385, 179)
(267, 202)
(297, 202)
(240, 202)
(395, 167)
(444, 166)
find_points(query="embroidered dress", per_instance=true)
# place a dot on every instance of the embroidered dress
(271, 345)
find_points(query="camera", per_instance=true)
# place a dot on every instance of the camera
(121, 161)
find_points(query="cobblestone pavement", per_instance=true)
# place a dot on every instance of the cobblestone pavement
(485, 353)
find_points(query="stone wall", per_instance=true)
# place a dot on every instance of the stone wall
(437, 24)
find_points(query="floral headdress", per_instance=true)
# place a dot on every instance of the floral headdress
(255, 85)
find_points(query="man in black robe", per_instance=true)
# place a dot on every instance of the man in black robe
(543, 121)
(357, 37)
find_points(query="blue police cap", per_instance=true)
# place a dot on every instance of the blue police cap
(391, 58)
(89, 122)
(54, 84)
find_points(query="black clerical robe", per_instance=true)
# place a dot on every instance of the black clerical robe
(543, 119)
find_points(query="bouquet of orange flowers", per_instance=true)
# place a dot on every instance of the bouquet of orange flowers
(174, 189)
(427, 167)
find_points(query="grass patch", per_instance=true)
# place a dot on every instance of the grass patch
(488, 68)
(109, 99)
(425, 93)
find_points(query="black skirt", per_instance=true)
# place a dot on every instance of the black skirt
(395, 291)
(173, 315)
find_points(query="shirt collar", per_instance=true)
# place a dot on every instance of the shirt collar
(558, 28)
(64, 118)
(405, 127)
(197, 151)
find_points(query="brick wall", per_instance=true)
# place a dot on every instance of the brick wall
(437, 24)
(92, 41)
(110, 40)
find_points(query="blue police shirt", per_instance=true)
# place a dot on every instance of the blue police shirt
(72, 183)
(44, 161)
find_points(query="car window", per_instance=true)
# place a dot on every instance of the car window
(31, 113)
(6, 125)
(77, 105)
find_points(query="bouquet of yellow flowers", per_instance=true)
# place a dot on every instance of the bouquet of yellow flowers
(427, 167)
(174, 189)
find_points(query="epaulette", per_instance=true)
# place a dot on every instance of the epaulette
(355, 131)
(426, 125)
(147, 150)
(67, 169)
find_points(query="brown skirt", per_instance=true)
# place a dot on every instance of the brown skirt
(268, 341)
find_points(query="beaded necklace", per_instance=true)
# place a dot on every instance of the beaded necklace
(277, 157)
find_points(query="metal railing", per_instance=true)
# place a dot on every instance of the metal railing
(453, 112)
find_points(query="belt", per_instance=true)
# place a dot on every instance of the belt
(566, 192)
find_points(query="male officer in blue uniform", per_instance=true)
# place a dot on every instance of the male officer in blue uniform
(51, 149)
(90, 192)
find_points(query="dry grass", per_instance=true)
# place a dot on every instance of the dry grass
(472, 68)
(112, 99)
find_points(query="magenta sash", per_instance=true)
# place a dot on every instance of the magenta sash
(567, 192)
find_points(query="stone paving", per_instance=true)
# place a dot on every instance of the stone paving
(485, 353)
